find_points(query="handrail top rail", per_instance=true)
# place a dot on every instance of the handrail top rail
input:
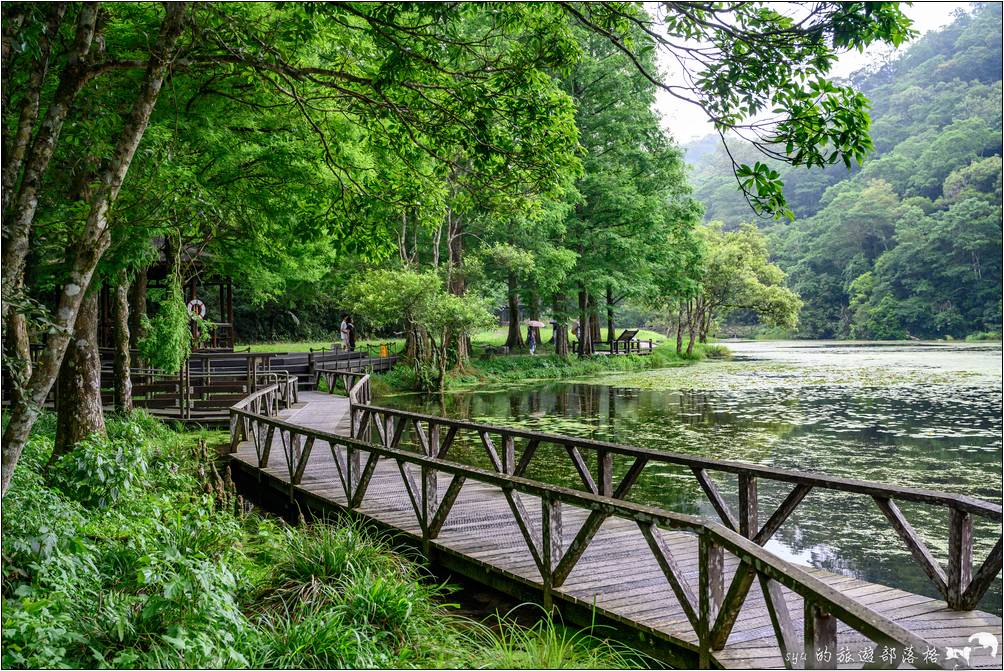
(321, 369)
(236, 355)
(870, 622)
(962, 502)
(241, 404)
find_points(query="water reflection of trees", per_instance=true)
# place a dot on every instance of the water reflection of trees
(832, 431)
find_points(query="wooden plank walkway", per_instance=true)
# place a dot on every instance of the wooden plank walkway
(617, 573)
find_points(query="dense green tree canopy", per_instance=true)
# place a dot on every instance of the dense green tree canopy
(287, 144)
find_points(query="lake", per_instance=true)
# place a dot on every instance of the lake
(914, 414)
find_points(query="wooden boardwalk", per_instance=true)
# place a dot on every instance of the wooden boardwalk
(617, 573)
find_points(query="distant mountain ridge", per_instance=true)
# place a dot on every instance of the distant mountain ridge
(910, 243)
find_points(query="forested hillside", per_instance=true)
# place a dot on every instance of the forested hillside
(909, 244)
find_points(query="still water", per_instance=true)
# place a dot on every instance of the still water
(913, 414)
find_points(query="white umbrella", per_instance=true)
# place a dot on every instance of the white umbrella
(536, 324)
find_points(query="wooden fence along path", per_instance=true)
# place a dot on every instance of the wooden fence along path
(208, 383)
(697, 592)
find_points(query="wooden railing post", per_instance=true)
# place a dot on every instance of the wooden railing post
(233, 431)
(820, 638)
(508, 454)
(960, 557)
(748, 519)
(711, 587)
(551, 545)
(430, 493)
(604, 472)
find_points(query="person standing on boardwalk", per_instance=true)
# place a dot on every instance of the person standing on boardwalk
(344, 330)
(531, 340)
(352, 333)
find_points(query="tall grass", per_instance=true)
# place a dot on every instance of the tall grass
(134, 551)
(549, 644)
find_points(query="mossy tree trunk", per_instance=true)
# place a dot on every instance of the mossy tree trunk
(17, 367)
(78, 390)
(137, 308)
(123, 361)
(594, 323)
(88, 248)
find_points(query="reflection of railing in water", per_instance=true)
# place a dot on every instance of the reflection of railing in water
(712, 611)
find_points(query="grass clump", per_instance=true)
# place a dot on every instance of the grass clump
(133, 551)
(549, 644)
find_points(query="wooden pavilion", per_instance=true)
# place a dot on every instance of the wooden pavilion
(211, 294)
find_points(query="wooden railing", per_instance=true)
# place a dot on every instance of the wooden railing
(246, 416)
(961, 587)
(317, 362)
(710, 609)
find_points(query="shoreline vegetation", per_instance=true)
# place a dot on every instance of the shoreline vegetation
(135, 551)
(487, 367)
(518, 369)
(496, 337)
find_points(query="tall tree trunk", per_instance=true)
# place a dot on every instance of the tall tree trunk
(691, 326)
(13, 17)
(560, 326)
(123, 383)
(410, 343)
(610, 315)
(18, 222)
(436, 242)
(585, 342)
(514, 340)
(594, 321)
(456, 280)
(402, 240)
(679, 329)
(91, 244)
(18, 355)
(78, 395)
(137, 308)
(706, 323)
(16, 147)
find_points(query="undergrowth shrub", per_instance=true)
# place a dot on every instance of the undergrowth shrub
(100, 470)
(129, 553)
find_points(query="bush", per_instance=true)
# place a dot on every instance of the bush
(124, 559)
(983, 336)
(99, 471)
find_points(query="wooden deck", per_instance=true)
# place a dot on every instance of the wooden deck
(617, 573)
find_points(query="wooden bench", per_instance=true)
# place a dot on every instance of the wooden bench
(625, 343)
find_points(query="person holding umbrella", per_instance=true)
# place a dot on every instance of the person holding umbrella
(531, 334)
